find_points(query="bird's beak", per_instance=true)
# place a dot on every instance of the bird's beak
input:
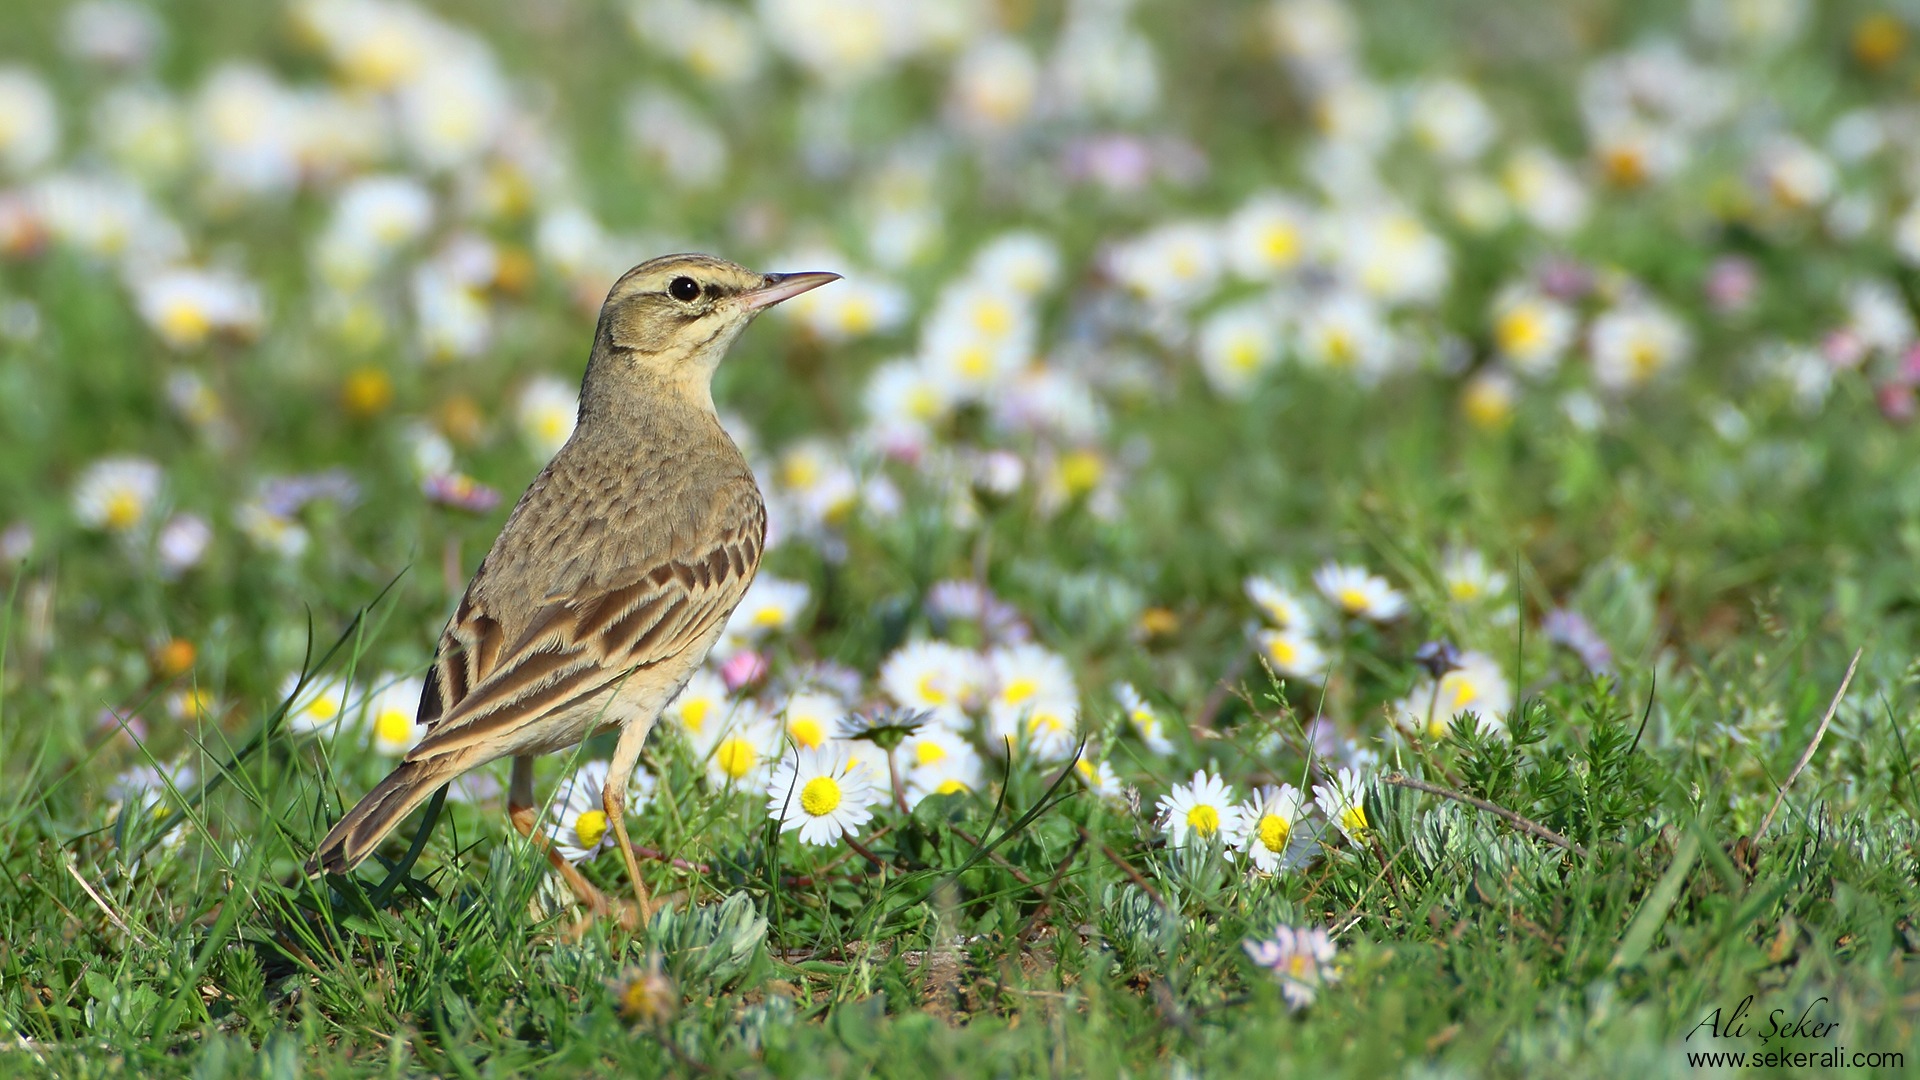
(784, 287)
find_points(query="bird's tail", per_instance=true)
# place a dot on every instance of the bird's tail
(374, 816)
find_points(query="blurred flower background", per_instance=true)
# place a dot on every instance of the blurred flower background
(1234, 403)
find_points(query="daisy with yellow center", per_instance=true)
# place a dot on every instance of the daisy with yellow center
(1236, 345)
(1270, 835)
(577, 818)
(1292, 653)
(1199, 811)
(820, 794)
(1477, 686)
(1100, 779)
(1359, 594)
(1634, 343)
(938, 762)
(116, 494)
(1343, 800)
(546, 412)
(391, 714)
(1266, 237)
(811, 717)
(1469, 578)
(771, 605)
(934, 676)
(1146, 722)
(1531, 331)
(320, 706)
(1300, 959)
(1281, 606)
(701, 710)
(744, 751)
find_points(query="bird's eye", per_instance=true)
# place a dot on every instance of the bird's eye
(684, 289)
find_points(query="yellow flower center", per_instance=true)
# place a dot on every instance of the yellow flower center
(393, 727)
(1354, 819)
(1243, 355)
(993, 319)
(1340, 347)
(973, 361)
(857, 316)
(1274, 830)
(807, 731)
(1353, 599)
(323, 708)
(930, 692)
(1018, 691)
(123, 510)
(550, 425)
(821, 796)
(1520, 331)
(800, 472)
(1203, 820)
(1643, 358)
(694, 713)
(1080, 471)
(1487, 404)
(1045, 723)
(1280, 243)
(1464, 589)
(367, 391)
(1297, 966)
(735, 757)
(1282, 650)
(929, 752)
(185, 323)
(770, 617)
(590, 827)
(951, 787)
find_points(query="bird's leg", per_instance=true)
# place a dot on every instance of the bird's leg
(520, 810)
(613, 797)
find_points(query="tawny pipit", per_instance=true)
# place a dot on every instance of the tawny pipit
(614, 574)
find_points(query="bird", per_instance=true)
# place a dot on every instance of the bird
(613, 575)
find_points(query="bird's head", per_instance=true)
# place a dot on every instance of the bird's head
(673, 318)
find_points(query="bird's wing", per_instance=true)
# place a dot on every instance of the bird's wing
(587, 633)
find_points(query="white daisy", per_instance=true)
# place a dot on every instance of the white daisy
(939, 762)
(391, 713)
(1531, 331)
(1199, 810)
(577, 817)
(1267, 237)
(1634, 343)
(770, 605)
(320, 707)
(1293, 653)
(701, 710)
(744, 751)
(1301, 959)
(1343, 800)
(1236, 345)
(1282, 607)
(811, 717)
(1469, 578)
(546, 411)
(1023, 677)
(116, 493)
(1270, 831)
(1145, 720)
(1100, 779)
(1476, 686)
(820, 794)
(936, 676)
(1359, 594)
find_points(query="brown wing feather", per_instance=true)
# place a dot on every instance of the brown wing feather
(587, 634)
